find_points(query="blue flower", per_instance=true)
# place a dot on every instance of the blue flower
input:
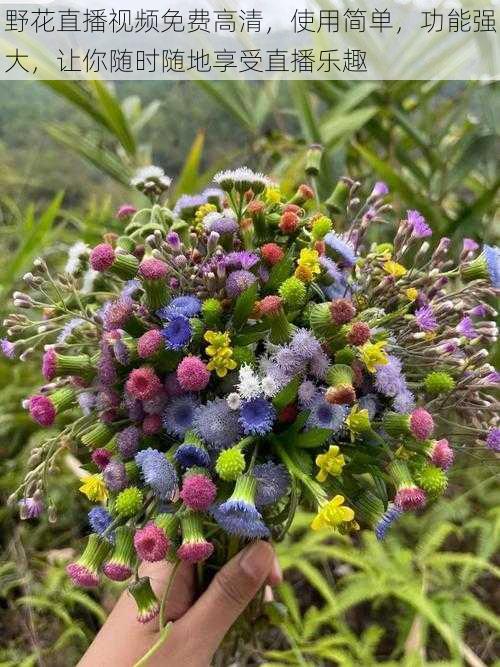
(341, 248)
(388, 379)
(177, 332)
(157, 472)
(370, 403)
(186, 204)
(238, 515)
(99, 520)
(404, 402)
(391, 515)
(179, 414)
(257, 416)
(216, 424)
(187, 305)
(273, 482)
(325, 415)
(492, 257)
(189, 455)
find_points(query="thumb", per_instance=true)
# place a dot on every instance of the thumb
(231, 590)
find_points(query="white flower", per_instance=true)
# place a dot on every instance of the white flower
(234, 401)
(249, 384)
(89, 278)
(75, 253)
(150, 173)
(269, 386)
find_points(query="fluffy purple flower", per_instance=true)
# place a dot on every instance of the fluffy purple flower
(492, 257)
(469, 245)
(273, 482)
(426, 320)
(86, 401)
(419, 228)
(106, 366)
(238, 515)
(68, 329)
(179, 414)
(243, 259)
(493, 439)
(238, 281)
(174, 241)
(216, 424)
(308, 394)
(186, 204)
(304, 344)
(380, 189)
(404, 402)
(388, 379)
(116, 313)
(99, 520)
(114, 476)
(466, 328)
(177, 332)
(191, 454)
(223, 225)
(8, 348)
(157, 472)
(326, 415)
(391, 515)
(188, 306)
(340, 248)
(257, 416)
(130, 288)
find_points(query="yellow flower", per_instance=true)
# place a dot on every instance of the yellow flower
(309, 259)
(330, 463)
(94, 488)
(373, 355)
(221, 352)
(204, 210)
(358, 420)
(411, 294)
(272, 195)
(394, 269)
(304, 274)
(333, 514)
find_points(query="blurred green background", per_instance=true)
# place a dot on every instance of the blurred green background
(429, 594)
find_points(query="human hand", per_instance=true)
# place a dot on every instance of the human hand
(197, 627)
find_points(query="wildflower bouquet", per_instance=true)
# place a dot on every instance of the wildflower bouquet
(242, 354)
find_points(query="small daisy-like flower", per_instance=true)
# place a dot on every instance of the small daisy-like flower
(493, 439)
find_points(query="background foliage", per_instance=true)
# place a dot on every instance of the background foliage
(424, 597)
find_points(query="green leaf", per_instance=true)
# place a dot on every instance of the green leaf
(313, 438)
(288, 394)
(243, 307)
(189, 177)
(113, 113)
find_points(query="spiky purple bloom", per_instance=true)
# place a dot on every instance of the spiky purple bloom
(308, 394)
(30, 508)
(216, 424)
(179, 414)
(404, 401)
(341, 248)
(99, 520)
(238, 515)
(186, 305)
(493, 439)
(8, 348)
(238, 281)
(257, 416)
(68, 329)
(174, 241)
(419, 227)
(326, 415)
(391, 515)
(426, 320)
(86, 401)
(242, 259)
(114, 476)
(388, 379)
(223, 225)
(273, 482)
(130, 287)
(157, 472)
(177, 332)
(332, 270)
(156, 405)
(106, 369)
(466, 328)
(304, 344)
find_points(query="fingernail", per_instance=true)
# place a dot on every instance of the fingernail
(276, 576)
(256, 560)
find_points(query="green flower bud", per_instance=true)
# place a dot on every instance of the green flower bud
(230, 464)
(293, 292)
(128, 502)
(433, 480)
(321, 227)
(211, 310)
(439, 382)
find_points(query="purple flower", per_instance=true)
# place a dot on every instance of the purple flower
(257, 416)
(273, 482)
(419, 228)
(492, 257)
(238, 515)
(86, 401)
(308, 394)
(469, 245)
(380, 189)
(128, 441)
(388, 378)
(426, 320)
(325, 415)
(178, 415)
(106, 367)
(174, 240)
(186, 204)
(68, 329)
(370, 403)
(8, 348)
(238, 281)
(99, 520)
(130, 288)
(191, 454)
(157, 472)
(341, 248)
(493, 439)
(177, 332)
(116, 313)
(466, 328)
(216, 424)
(391, 515)
(223, 225)
(304, 344)
(479, 311)
(115, 476)
(243, 259)
(404, 402)
(30, 508)
(186, 305)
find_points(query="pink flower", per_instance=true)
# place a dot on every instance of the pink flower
(42, 410)
(151, 543)
(421, 424)
(153, 269)
(198, 492)
(143, 383)
(117, 571)
(125, 211)
(102, 257)
(49, 363)
(195, 552)
(410, 498)
(193, 374)
(82, 575)
(149, 343)
(101, 457)
(442, 454)
(151, 424)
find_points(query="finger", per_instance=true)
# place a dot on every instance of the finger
(275, 576)
(227, 596)
(181, 593)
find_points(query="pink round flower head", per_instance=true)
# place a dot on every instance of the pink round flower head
(442, 454)
(198, 492)
(49, 363)
(421, 424)
(151, 543)
(193, 374)
(143, 383)
(153, 269)
(410, 498)
(149, 343)
(117, 571)
(102, 257)
(359, 334)
(125, 211)
(82, 576)
(151, 425)
(42, 410)
(101, 457)
(195, 552)
(342, 311)
(270, 305)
